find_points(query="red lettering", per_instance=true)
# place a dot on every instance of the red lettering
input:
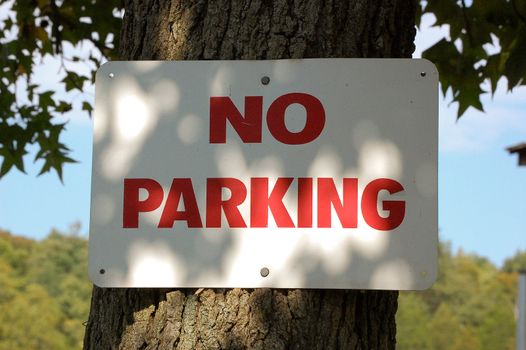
(369, 205)
(305, 202)
(314, 124)
(261, 201)
(328, 195)
(132, 206)
(248, 127)
(214, 202)
(181, 188)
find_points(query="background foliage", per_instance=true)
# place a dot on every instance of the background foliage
(44, 292)
(487, 42)
(471, 306)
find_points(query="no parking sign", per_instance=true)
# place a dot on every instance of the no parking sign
(316, 173)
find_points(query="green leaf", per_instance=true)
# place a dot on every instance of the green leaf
(515, 67)
(7, 164)
(86, 106)
(469, 98)
(68, 160)
(19, 164)
(63, 107)
(445, 55)
(8, 23)
(445, 11)
(45, 168)
(46, 100)
(493, 71)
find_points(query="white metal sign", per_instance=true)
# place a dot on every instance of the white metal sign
(318, 173)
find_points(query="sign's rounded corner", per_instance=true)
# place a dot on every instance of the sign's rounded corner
(428, 283)
(104, 69)
(431, 65)
(426, 286)
(94, 277)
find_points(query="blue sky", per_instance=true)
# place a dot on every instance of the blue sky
(481, 188)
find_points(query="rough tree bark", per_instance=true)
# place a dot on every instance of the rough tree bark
(256, 318)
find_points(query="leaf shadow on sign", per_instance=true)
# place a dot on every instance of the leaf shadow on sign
(153, 123)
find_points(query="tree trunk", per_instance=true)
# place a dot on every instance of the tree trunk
(255, 318)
